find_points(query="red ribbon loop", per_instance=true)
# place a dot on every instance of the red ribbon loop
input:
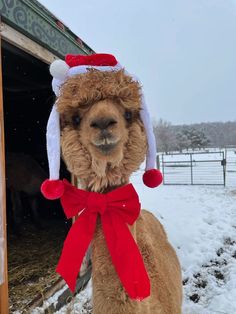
(117, 209)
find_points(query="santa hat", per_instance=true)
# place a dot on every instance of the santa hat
(61, 71)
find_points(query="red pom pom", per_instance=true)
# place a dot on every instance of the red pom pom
(52, 189)
(152, 178)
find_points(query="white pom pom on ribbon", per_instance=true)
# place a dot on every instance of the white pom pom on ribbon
(59, 69)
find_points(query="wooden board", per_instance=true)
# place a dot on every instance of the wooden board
(4, 287)
(63, 297)
(21, 41)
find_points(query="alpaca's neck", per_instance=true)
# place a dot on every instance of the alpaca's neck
(110, 188)
(103, 190)
(105, 187)
(105, 280)
(106, 283)
(102, 176)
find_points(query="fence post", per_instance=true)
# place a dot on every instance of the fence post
(163, 168)
(223, 163)
(158, 161)
(191, 165)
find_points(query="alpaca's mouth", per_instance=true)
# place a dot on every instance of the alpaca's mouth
(106, 148)
(106, 145)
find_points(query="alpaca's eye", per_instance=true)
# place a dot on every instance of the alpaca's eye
(128, 115)
(76, 120)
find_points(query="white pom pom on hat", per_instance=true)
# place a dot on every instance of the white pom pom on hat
(59, 69)
(78, 64)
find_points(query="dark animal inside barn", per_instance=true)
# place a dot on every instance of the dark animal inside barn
(24, 176)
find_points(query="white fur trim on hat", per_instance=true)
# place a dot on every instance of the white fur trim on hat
(152, 150)
(53, 144)
(59, 76)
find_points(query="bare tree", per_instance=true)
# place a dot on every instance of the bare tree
(164, 136)
(195, 136)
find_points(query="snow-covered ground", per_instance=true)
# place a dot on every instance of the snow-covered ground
(201, 224)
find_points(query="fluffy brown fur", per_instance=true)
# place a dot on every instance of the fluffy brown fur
(103, 142)
(83, 90)
(162, 266)
(92, 96)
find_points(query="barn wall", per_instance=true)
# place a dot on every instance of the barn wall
(2, 186)
(2, 240)
(3, 255)
(28, 99)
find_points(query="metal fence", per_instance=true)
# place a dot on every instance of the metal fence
(230, 156)
(195, 168)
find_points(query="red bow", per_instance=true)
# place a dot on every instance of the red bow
(117, 209)
(98, 59)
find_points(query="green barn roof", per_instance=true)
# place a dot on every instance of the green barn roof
(32, 19)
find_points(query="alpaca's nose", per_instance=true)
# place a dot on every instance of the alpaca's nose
(103, 123)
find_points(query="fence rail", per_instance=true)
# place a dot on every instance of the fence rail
(196, 168)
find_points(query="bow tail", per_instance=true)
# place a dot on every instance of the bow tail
(126, 257)
(75, 247)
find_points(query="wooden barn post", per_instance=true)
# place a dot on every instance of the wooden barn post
(4, 307)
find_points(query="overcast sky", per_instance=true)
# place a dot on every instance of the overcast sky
(184, 51)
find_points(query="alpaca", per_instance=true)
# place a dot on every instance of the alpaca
(103, 141)
(23, 175)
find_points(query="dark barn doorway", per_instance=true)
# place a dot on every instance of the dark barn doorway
(36, 228)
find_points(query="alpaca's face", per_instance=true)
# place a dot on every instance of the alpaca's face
(104, 130)
(102, 141)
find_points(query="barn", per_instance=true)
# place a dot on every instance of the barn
(32, 230)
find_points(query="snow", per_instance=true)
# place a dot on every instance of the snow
(81, 304)
(201, 225)
(47, 303)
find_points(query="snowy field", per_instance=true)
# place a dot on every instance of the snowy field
(201, 224)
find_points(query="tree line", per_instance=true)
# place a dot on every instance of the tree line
(194, 136)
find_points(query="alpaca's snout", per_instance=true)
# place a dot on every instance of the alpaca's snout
(104, 140)
(103, 124)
